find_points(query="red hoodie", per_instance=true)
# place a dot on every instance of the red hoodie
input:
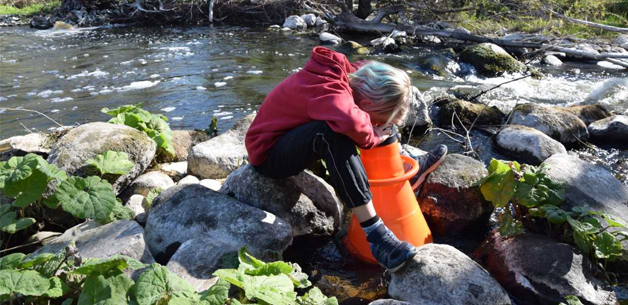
(320, 91)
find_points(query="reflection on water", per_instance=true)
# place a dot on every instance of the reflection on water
(190, 74)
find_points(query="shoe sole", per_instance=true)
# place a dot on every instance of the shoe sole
(429, 170)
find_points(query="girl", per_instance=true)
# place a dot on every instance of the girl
(324, 111)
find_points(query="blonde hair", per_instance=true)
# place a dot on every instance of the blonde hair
(388, 88)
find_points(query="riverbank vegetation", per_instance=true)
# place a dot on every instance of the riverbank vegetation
(28, 8)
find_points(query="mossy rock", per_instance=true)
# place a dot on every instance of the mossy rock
(589, 113)
(438, 64)
(354, 48)
(87, 141)
(468, 112)
(557, 122)
(491, 60)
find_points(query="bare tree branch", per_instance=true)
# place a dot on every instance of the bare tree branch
(589, 23)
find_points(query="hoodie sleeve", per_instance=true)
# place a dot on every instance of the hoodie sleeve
(333, 104)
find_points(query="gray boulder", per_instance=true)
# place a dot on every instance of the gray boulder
(589, 113)
(418, 115)
(438, 64)
(36, 143)
(448, 200)
(219, 156)
(325, 37)
(441, 275)
(87, 141)
(490, 59)
(622, 41)
(211, 184)
(536, 269)
(122, 237)
(389, 302)
(551, 60)
(198, 258)
(295, 23)
(558, 123)
(613, 129)
(189, 180)
(305, 201)
(175, 170)
(467, 112)
(309, 19)
(40, 23)
(183, 140)
(527, 144)
(135, 203)
(146, 182)
(588, 185)
(189, 211)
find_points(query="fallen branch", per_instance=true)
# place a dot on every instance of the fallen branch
(589, 23)
(445, 11)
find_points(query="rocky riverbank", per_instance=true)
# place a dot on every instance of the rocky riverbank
(212, 203)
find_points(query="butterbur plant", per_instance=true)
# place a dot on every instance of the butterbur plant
(111, 163)
(154, 125)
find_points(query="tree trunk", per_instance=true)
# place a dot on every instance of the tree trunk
(349, 4)
(364, 9)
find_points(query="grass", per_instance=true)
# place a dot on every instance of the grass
(29, 10)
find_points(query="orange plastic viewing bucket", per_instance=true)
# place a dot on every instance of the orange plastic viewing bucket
(393, 198)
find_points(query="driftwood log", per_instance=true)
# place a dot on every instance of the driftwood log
(346, 21)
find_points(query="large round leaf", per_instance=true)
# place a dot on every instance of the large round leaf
(89, 197)
(157, 284)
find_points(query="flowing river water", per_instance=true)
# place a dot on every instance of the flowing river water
(191, 74)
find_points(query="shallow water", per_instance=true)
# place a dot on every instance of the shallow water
(190, 74)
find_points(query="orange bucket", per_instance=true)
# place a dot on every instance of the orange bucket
(393, 198)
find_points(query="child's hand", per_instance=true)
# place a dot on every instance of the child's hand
(383, 132)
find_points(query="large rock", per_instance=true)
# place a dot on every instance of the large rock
(442, 275)
(527, 144)
(589, 113)
(535, 269)
(448, 200)
(123, 237)
(467, 113)
(588, 185)
(490, 59)
(295, 22)
(613, 129)
(183, 140)
(353, 48)
(40, 23)
(309, 19)
(438, 64)
(36, 143)
(558, 123)
(198, 258)
(418, 114)
(481, 140)
(87, 141)
(219, 156)
(189, 211)
(622, 41)
(146, 182)
(175, 170)
(305, 201)
(551, 60)
(135, 203)
(329, 38)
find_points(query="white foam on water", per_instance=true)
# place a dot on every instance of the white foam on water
(47, 93)
(176, 49)
(227, 117)
(154, 76)
(12, 95)
(54, 110)
(228, 77)
(222, 113)
(168, 109)
(142, 61)
(610, 92)
(85, 73)
(74, 108)
(177, 118)
(105, 91)
(127, 62)
(76, 90)
(609, 65)
(2, 98)
(140, 85)
(255, 72)
(31, 93)
(219, 84)
(201, 88)
(61, 100)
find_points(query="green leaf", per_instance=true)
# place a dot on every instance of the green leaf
(152, 194)
(102, 266)
(273, 268)
(582, 241)
(582, 227)
(18, 168)
(110, 289)
(230, 275)
(57, 288)
(158, 284)
(89, 197)
(571, 300)
(613, 222)
(9, 222)
(217, 294)
(276, 289)
(11, 261)
(25, 282)
(316, 297)
(499, 186)
(527, 195)
(555, 214)
(51, 171)
(28, 190)
(299, 279)
(509, 226)
(606, 246)
(112, 162)
(36, 261)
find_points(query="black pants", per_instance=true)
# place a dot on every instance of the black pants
(301, 147)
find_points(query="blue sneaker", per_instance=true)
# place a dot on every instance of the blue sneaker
(427, 164)
(390, 252)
